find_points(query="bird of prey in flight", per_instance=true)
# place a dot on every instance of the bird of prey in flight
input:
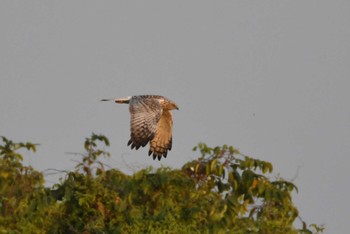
(150, 121)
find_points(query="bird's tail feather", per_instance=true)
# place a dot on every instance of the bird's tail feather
(117, 100)
(107, 99)
(123, 100)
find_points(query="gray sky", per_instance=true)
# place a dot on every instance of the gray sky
(269, 77)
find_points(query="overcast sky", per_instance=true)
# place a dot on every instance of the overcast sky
(271, 78)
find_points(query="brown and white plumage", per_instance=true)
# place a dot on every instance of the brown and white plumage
(150, 121)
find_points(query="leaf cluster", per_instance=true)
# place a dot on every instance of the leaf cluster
(223, 191)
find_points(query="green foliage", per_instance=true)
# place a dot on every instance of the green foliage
(222, 191)
(23, 199)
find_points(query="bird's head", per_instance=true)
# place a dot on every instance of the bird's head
(172, 106)
(168, 105)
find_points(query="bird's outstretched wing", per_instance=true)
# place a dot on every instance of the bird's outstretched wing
(145, 114)
(162, 140)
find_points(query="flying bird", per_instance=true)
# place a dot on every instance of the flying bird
(150, 121)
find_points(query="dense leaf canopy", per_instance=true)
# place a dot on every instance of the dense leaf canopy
(223, 191)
